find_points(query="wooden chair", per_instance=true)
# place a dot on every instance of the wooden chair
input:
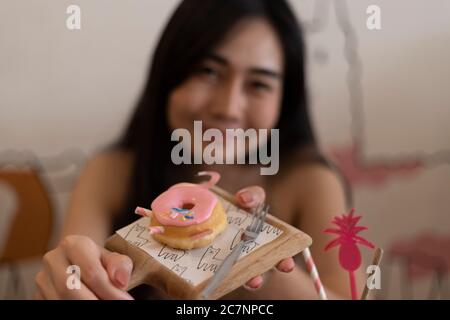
(31, 226)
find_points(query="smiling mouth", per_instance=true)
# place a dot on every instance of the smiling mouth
(222, 128)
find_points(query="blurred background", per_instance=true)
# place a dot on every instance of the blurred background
(380, 101)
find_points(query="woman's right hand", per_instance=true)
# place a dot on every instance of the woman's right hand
(103, 274)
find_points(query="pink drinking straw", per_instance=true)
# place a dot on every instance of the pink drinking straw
(311, 266)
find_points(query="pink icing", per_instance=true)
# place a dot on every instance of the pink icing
(201, 234)
(156, 230)
(181, 194)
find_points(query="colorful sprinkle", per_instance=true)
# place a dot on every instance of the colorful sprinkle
(181, 213)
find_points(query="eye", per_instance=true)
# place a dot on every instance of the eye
(207, 72)
(260, 86)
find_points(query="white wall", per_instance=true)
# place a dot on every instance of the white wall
(78, 84)
(390, 98)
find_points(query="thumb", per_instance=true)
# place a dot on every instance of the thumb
(118, 267)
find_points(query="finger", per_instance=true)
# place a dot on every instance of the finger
(44, 287)
(57, 279)
(254, 283)
(38, 295)
(118, 267)
(87, 256)
(286, 265)
(251, 196)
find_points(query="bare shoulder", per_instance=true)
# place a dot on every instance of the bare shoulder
(314, 176)
(306, 187)
(110, 166)
(108, 174)
(118, 159)
(315, 182)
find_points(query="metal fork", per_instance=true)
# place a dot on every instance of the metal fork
(250, 234)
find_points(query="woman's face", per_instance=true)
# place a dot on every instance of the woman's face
(238, 85)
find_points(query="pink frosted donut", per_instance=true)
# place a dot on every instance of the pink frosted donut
(187, 215)
(186, 204)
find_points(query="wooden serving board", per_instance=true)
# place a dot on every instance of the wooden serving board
(148, 270)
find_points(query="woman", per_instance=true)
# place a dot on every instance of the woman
(230, 64)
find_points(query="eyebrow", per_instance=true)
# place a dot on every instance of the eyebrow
(254, 70)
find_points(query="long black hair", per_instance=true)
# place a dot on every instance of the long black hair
(194, 29)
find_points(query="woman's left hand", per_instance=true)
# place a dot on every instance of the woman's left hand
(249, 198)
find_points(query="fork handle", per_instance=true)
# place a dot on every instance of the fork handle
(223, 269)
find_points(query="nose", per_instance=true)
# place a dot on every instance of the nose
(229, 103)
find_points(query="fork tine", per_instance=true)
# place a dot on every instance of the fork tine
(266, 212)
(253, 218)
(256, 226)
(262, 218)
(260, 210)
(256, 213)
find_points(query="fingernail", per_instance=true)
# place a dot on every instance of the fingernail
(252, 288)
(286, 266)
(121, 277)
(246, 196)
(247, 287)
(128, 296)
(287, 269)
(256, 283)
